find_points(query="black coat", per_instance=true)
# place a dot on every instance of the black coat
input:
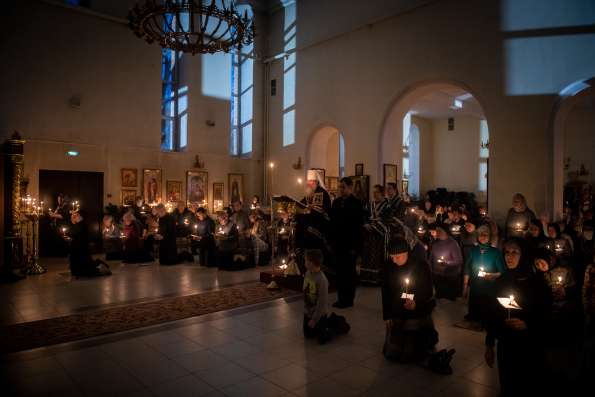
(393, 285)
(347, 219)
(167, 246)
(81, 262)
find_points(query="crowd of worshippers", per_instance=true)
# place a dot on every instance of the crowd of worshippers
(530, 286)
(235, 238)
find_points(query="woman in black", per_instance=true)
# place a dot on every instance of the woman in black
(535, 237)
(518, 332)
(202, 237)
(168, 253)
(81, 262)
(407, 306)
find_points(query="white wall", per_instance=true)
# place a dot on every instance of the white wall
(55, 53)
(354, 80)
(579, 140)
(451, 158)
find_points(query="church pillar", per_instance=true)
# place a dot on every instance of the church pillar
(12, 174)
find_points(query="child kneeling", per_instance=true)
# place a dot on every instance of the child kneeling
(317, 322)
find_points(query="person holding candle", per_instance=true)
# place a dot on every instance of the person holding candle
(112, 244)
(259, 237)
(479, 287)
(202, 237)
(347, 215)
(447, 264)
(81, 262)
(166, 235)
(518, 217)
(407, 305)
(226, 241)
(183, 218)
(134, 250)
(560, 244)
(284, 231)
(535, 238)
(563, 330)
(518, 333)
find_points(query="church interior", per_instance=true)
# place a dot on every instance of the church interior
(297, 198)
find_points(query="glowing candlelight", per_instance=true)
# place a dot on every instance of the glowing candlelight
(481, 273)
(299, 181)
(282, 230)
(64, 230)
(122, 235)
(560, 280)
(272, 165)
(441, 259)
(186, 221)
(195, 226)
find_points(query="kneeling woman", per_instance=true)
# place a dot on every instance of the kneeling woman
(520, 351)
(407, 305)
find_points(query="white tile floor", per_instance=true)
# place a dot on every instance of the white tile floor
(256, 351)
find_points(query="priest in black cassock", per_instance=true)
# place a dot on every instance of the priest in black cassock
(168, 253)
(347, 218)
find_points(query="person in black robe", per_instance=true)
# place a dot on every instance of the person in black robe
(407, 305)
(168, 254)
(202, 237)
(396, 206)
(519, 333)
(81, 262)
(346, 222)
(183, 218)
(227, 242)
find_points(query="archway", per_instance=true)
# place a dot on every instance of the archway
(326, 149)
(437, 134)
(573, 122)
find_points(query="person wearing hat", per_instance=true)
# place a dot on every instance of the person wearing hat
(316, 194)
(447, 264)
(483, 266)
(81, 262)
(347, 217)
(407, 305)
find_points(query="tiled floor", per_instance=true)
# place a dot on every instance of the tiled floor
(54, 293)
(254, 351)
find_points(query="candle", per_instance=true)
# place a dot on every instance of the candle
(560, 280)
(195, 226)
(186, 221)
(481, 273)
(511, 302)
(220, 231)
(282, 230)
(441, 259)
(406, 285)
(64, 230)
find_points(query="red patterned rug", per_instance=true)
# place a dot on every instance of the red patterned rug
(89, 324)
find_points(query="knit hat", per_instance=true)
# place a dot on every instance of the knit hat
(398, 245)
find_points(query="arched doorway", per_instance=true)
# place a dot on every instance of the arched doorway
(437, 134)
(326, 149)
(573, 126)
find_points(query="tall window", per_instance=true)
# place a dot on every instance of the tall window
(484, 155)
(289, 74)
(174, 97)
(242, 97)
(341, 156)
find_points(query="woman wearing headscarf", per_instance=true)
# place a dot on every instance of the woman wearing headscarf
(558, 243)
(483, 267)
(519, 217)
(447, 264)
(517, 332)
(564, 321)
(407, 305)
(535, 237)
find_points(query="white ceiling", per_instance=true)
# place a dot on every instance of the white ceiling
(437, 104)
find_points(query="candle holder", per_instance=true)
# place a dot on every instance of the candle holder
(31, 211)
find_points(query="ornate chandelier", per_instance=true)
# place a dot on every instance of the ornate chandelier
(194, 26)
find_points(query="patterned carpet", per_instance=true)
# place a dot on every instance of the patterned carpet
(89, 324)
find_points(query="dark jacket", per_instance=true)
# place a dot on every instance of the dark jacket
(393, 285)
(347, 219)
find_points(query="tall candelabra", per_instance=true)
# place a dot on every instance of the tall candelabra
(31, 209)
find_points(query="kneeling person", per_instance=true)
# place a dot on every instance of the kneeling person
(315, 298)
(407, 305)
